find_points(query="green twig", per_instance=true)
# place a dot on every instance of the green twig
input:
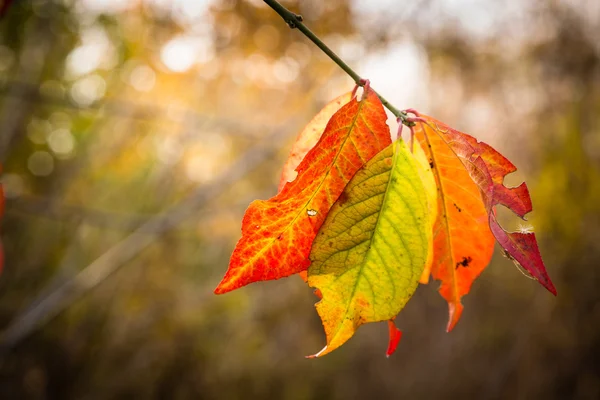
(295, 21)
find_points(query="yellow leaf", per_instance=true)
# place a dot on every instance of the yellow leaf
(371, 250)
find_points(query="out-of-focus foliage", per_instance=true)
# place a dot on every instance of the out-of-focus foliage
(1, 214)
(113, 112)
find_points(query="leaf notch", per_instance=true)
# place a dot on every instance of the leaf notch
(488, 168)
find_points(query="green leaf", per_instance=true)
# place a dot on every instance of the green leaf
(371, 250)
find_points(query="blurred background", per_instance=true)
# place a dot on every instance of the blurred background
(134, 133)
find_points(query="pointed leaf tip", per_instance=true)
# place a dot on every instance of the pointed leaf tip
(395, 336)
(455, 311)
(323, 351)
(523, 250)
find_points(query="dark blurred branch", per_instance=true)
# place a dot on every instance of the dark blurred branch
(295, 21)
(4, 7)
(50, 306)
(48, 208)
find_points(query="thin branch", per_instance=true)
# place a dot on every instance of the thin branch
(295, 21)
(64, 212)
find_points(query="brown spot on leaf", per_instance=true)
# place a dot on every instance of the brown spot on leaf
(464, 263)
(457, 208)
(343, 198)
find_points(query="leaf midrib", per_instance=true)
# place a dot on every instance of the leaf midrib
(445, 209)
(362, 264)
(351, 127)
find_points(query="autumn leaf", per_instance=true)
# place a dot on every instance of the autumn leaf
(370, 252)
(277, 234)
(462, 242)
(487, 167)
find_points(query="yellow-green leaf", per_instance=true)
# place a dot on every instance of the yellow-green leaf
(371, 250)
(431, 191)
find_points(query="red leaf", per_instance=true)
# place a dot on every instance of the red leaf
(488, 168)
(277, 234)
(521, 247)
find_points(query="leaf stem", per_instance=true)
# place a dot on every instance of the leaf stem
(295, 21)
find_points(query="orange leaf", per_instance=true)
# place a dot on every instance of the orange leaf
(487, 169)
(462, 241)
(277, 234)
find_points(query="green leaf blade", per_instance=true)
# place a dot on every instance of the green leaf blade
(370, 252)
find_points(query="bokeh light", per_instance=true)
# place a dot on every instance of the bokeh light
(40, 163)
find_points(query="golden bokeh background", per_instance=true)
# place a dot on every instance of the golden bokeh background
(134, 133)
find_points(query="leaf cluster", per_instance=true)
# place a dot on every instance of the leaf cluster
(364, 220)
